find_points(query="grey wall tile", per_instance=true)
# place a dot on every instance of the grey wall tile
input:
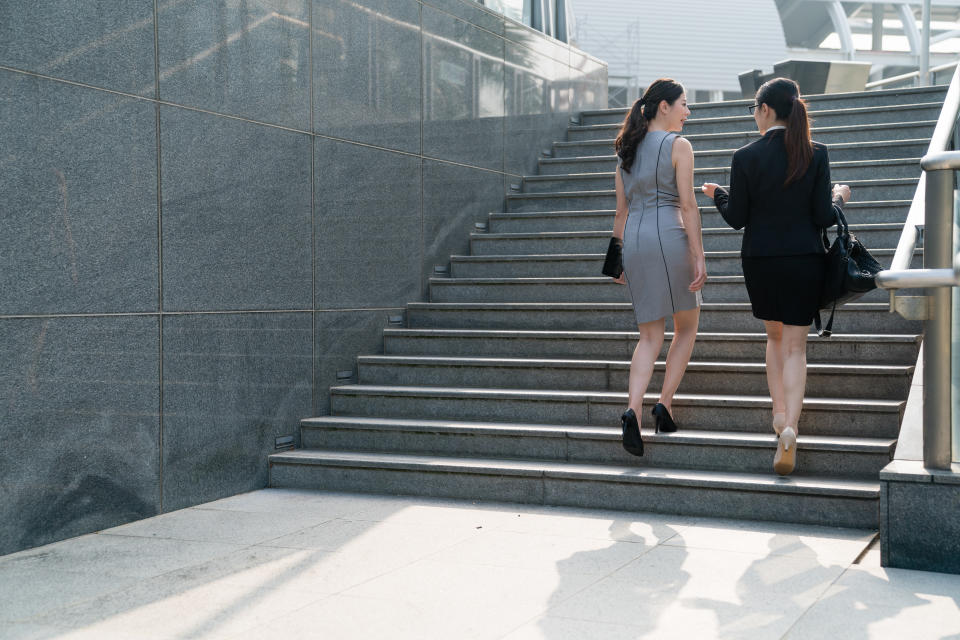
(341, 336)
(368, 222)
(232, 383)
(99, 42)
(249, 59)
(530, 86)
(537, 41)
(463, 91)
(454, 199)
(588, 82)
(79, 188)
(237, 223)
(367, 71)
(80, 427)
(470, 11)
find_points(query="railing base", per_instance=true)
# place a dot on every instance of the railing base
(920, 517)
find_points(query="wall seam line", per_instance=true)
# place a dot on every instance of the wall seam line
(156, 95)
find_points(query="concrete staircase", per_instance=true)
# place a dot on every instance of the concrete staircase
(509, 383)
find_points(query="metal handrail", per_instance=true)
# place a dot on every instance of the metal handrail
(932, 207)
(906, 246)
(907, 76)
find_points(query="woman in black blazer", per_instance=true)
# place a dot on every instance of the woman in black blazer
(780, 195)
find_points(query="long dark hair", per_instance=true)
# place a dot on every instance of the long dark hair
(783, 96)
(634, 127)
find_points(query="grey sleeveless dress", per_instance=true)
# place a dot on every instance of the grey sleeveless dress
(656, 262)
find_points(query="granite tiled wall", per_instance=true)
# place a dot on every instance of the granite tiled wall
(209, 209)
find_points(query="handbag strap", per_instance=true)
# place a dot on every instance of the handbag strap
(827, 331)
(843, 229)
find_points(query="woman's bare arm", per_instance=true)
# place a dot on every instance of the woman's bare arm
(689, 211)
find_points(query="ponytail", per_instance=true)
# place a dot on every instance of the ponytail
(798, 142)
(632, 133)
(637, 122)
(783, 96)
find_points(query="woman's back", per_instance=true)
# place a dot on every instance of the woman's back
(778, 219)
(652, 172)
(656, 256)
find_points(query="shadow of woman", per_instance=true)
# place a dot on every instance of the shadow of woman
(626, 601)
(790, 593)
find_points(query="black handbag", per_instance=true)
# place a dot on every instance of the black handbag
(850, 273)
(613, 263)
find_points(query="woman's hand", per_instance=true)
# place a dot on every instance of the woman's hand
(699, 273)
(709, 188)
(843, 191)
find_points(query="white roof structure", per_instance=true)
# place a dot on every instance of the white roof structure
(704, 44)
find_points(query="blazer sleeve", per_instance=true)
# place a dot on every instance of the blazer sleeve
(734, 205)
(824, 206)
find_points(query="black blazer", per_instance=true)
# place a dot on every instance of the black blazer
(778, 220)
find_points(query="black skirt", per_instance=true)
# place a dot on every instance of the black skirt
(785, 288)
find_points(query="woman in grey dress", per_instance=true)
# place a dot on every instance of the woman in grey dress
(663, 263)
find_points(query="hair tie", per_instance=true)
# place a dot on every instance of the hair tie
(794, 98)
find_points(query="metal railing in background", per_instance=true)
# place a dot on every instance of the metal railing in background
(910, 79)
(932, 210)
(623, 91)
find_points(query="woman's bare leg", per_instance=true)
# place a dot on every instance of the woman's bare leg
(641, 365)
(685, 325)
(775, 371)
(794, 354)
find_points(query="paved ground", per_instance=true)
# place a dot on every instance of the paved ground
(291, 564)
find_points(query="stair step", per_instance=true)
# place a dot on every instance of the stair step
(697, 123)
(838, 152)
(857, 317)
(718, 288)
(861, 212)
(884, 98)
(862, 348)
(700, 449)
(863, 190)
(821, 416)
(878, 235)
(813, 500)
(823, 380)
(839, 172)
(716, 141)
(569, 265)
(521, 401)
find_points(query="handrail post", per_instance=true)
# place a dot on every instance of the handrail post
(938, 253)
(925, 45)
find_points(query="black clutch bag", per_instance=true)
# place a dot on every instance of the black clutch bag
(613, 264)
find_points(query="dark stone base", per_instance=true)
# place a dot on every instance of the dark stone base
(920, 518)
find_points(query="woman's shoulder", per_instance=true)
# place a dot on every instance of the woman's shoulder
(681, 144)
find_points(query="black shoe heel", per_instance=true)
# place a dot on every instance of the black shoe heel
(663, 420)
(632, 441)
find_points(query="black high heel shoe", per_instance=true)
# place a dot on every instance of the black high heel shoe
(663, 420)
(631, 433)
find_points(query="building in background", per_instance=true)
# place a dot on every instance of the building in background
(552, 17)
(708, 44)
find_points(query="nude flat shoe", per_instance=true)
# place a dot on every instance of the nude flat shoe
(785, 459)
(779, 420)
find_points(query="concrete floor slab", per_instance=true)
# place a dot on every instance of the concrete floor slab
(293, 564)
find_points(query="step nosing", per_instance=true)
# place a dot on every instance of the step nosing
(688, 437)
(681, 399)
(693, 365)
(610, 473)
(627, 335)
